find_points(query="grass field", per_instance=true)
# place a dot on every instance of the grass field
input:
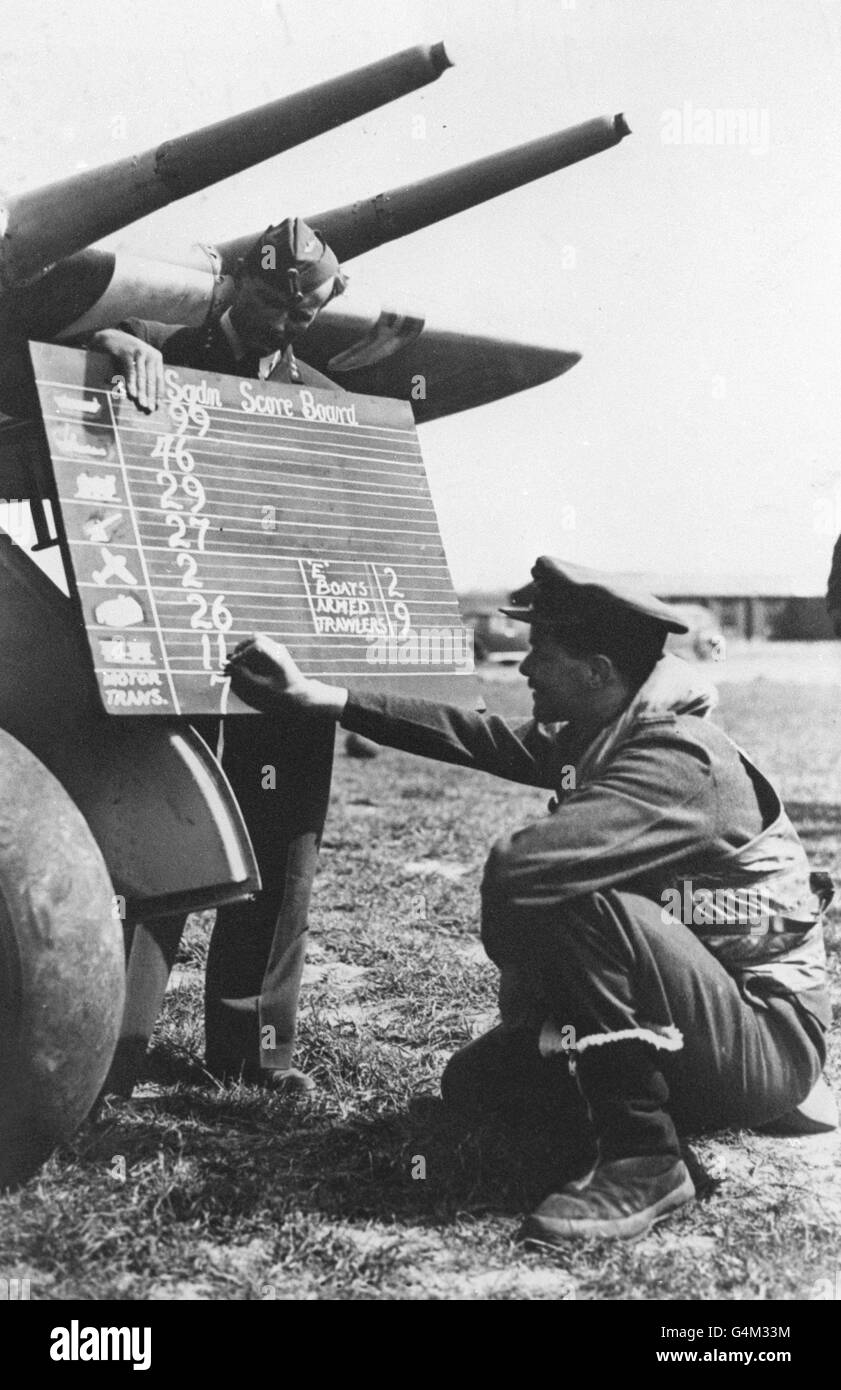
(369, 1193)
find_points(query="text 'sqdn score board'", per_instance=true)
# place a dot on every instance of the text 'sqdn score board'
(241, 506)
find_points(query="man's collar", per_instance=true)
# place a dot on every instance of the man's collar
(240, 351)
(236, 344)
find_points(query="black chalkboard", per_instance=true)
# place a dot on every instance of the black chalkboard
(239, 506)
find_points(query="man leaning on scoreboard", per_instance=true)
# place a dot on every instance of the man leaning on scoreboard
(257, 949)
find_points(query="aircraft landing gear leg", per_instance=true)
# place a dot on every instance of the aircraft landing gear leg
(151, 948)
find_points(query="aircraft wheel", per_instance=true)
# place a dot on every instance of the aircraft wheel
(62, 970)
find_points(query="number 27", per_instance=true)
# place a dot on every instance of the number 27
(179, 540)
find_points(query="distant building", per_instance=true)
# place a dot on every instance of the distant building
(746, 607)
(741, 608)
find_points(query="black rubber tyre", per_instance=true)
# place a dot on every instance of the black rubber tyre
(62, 970)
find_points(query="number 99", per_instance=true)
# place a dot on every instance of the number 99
(182, 415)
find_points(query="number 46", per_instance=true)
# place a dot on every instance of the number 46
(168, 446)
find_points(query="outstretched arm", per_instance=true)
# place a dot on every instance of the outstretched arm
(264, 675)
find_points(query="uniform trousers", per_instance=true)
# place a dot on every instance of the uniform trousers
(609, 966)
(280, 775)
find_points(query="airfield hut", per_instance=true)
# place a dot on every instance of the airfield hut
(740, 609)
(776, 609)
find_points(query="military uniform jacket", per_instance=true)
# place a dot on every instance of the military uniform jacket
(208, 349)
(673, 802)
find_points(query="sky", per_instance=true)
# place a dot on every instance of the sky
(696, 266)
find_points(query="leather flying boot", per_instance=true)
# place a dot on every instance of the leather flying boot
(639, 1176)
(621, 1197)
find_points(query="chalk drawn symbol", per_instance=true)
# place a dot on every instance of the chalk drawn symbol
(92, 488)
(120, 611)
(112, 649)
(139, 652)
(79, 405)
(121, 651)
(114, 566)
(97, 527)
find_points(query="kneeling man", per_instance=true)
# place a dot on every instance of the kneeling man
(658, 926)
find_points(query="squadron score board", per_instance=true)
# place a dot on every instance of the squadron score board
(242, 506)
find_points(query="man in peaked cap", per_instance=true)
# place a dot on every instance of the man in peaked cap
(656, 933)
(257, 949)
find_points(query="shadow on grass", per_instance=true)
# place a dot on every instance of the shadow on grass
(237, 1153)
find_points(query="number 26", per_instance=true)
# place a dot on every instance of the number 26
(221, 615)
